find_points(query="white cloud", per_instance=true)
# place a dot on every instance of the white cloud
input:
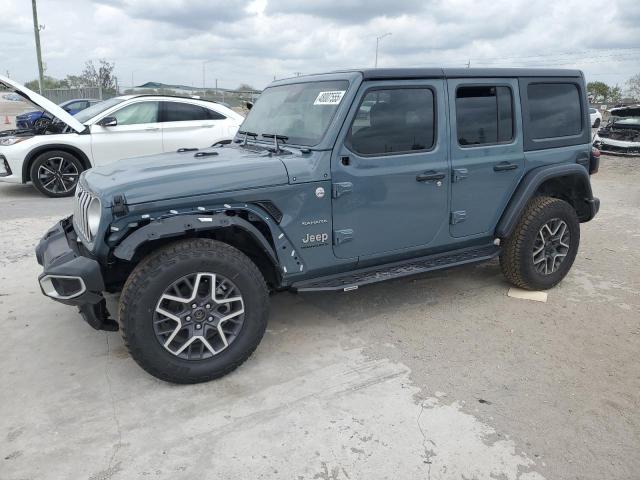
(251, 41)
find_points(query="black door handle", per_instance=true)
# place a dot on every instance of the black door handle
(428, 176)
(504, 166)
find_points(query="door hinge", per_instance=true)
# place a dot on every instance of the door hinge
(458, 217)
(342, 236)
(459, 174)
(341, 188)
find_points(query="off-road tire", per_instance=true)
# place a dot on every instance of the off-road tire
(159, 269)
(516, 259)
(70, 161)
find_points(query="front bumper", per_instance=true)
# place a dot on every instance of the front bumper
(71, 277)
(619, 147)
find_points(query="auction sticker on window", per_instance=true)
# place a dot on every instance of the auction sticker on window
(329, 98)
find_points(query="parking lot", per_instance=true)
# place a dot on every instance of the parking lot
(439, 376)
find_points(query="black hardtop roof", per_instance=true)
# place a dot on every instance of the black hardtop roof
(415, 73)
(408, 73)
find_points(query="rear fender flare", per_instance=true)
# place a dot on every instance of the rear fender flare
(529, 186)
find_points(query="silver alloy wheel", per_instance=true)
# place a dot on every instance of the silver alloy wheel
(198, 316)
(551, 246)
(58, 175)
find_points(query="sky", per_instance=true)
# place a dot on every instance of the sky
(253, 42)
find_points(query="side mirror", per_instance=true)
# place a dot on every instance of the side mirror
(108, 122)
(249, 105)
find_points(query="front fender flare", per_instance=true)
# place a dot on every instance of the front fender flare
(178, 225)
(530, 184)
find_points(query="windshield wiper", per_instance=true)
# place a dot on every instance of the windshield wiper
(276, 137)
(246, 135)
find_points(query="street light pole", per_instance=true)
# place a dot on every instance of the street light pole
(36, 30)
(378, 43)
(204, 73)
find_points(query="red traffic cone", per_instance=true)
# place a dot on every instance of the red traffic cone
(6, 120)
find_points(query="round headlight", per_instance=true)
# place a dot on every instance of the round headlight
(94, 212)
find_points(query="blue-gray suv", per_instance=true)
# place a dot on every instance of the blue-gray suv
(334, 181)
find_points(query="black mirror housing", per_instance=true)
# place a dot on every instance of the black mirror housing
(108, 122)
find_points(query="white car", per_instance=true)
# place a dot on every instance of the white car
(595, 116)
(118, 128)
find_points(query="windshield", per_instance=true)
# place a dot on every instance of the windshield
(88, 113)
(300, 111)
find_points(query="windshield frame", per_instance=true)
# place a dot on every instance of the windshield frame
(103, 108)
(324, 140)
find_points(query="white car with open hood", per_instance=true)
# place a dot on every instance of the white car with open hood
(53, 157)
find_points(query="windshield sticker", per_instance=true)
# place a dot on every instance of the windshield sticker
(329, 98)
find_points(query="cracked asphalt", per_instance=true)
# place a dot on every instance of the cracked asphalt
(441, 376)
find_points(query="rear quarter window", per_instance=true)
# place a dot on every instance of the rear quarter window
(554, 110)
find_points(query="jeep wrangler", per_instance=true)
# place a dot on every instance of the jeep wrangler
(334, 181)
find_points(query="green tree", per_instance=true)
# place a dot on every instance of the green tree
(615, 94)
(633, 86)
(49, 83)
(75, 81)
(245, 87)
(100, 75)
(599, 90)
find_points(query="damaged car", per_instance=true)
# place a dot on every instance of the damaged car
(52, 155)
(621, 134)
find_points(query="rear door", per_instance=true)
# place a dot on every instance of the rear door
(137, 133)
(390, 170)
(187, 125)
(486, 151)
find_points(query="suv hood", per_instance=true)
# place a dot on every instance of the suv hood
(185, 174)
(43, 103)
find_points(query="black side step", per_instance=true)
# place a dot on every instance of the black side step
(354, 279)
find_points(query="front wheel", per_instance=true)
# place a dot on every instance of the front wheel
(543, 246)
(193, 311)
(56, 173)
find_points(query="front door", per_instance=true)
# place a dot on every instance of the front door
(390, 170)
(137, 133)
(486, 152)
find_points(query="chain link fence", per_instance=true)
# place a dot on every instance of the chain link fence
(59, 95)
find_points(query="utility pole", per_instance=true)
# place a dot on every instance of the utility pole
(36, 30)
(469, 64)
(204, 66)
(378, 44)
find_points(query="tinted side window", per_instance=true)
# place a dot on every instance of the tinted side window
(554, 110)
(394, 121)
(484, 115)
(213, 115)
(184, 112)
(77, 106)
(137, 113)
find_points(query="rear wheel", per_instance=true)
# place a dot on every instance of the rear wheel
(193, 311)
(56, 173)
(543, 246)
